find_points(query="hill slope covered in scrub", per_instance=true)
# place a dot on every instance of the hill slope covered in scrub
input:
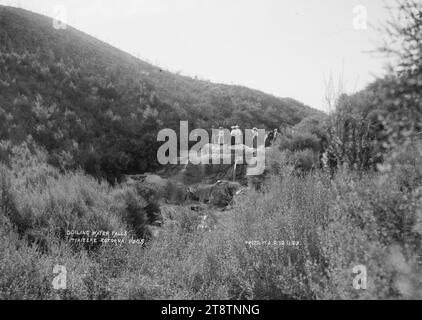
(96, 107)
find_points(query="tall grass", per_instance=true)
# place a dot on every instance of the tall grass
(338, 222)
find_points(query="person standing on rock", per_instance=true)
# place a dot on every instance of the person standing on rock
(274, 136)
(255, 138)
(232, 134)
(236, 135)
(220, 137)
(268, 136)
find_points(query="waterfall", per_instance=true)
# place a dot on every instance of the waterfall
(234, 171)
(184, 168)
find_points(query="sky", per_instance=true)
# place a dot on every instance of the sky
(288, 48)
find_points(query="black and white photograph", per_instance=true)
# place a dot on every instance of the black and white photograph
(239, 151)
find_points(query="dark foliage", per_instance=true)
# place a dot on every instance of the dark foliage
(93, 106)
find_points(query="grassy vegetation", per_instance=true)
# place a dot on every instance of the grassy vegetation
(340, 192)
(339, 223)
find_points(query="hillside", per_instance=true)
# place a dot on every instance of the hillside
(337, 214)
(93, 106)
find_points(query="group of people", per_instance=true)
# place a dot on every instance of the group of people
(271, 137)
(237, 136)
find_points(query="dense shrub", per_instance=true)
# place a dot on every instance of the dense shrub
(300, 161)
(300, 141)
(138, 207)
(371, 219)
(352, 137)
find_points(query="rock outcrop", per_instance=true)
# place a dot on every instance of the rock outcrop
(219, 194)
